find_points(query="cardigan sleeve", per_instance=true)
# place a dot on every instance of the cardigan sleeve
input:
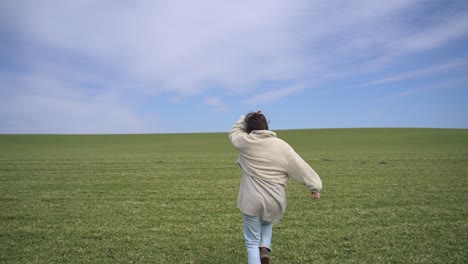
(237, 135)
(302, 172)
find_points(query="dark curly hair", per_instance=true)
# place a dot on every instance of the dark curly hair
(256, 121)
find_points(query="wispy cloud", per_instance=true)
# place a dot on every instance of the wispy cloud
(448, 28)
(450, 84)
(177, 45)
(372, 36)
(217, 103)
(42, 104)
(419, 72)
(271, 96)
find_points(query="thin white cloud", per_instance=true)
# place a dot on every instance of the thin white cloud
(427, 88)
(217, 103)
(375, 35)
(271, 96)
(419, 72)
(450, 84)
(41, 104)
(179, 45)
(45, 114)
(450, 28)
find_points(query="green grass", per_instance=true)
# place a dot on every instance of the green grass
(390, 196)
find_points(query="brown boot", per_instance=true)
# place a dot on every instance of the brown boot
(265, 255)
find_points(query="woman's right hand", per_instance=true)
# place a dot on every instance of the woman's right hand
(316, 195)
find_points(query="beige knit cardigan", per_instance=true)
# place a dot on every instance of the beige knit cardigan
(263, 155)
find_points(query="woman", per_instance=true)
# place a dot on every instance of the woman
(267, 163)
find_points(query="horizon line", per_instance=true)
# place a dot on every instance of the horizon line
(216, 132)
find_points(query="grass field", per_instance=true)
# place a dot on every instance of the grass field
(390, 196)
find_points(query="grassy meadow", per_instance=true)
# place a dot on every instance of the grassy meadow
(390, 196)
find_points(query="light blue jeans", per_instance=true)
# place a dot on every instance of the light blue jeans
(257, 233)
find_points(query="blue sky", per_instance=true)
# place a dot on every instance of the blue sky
(196, 66)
